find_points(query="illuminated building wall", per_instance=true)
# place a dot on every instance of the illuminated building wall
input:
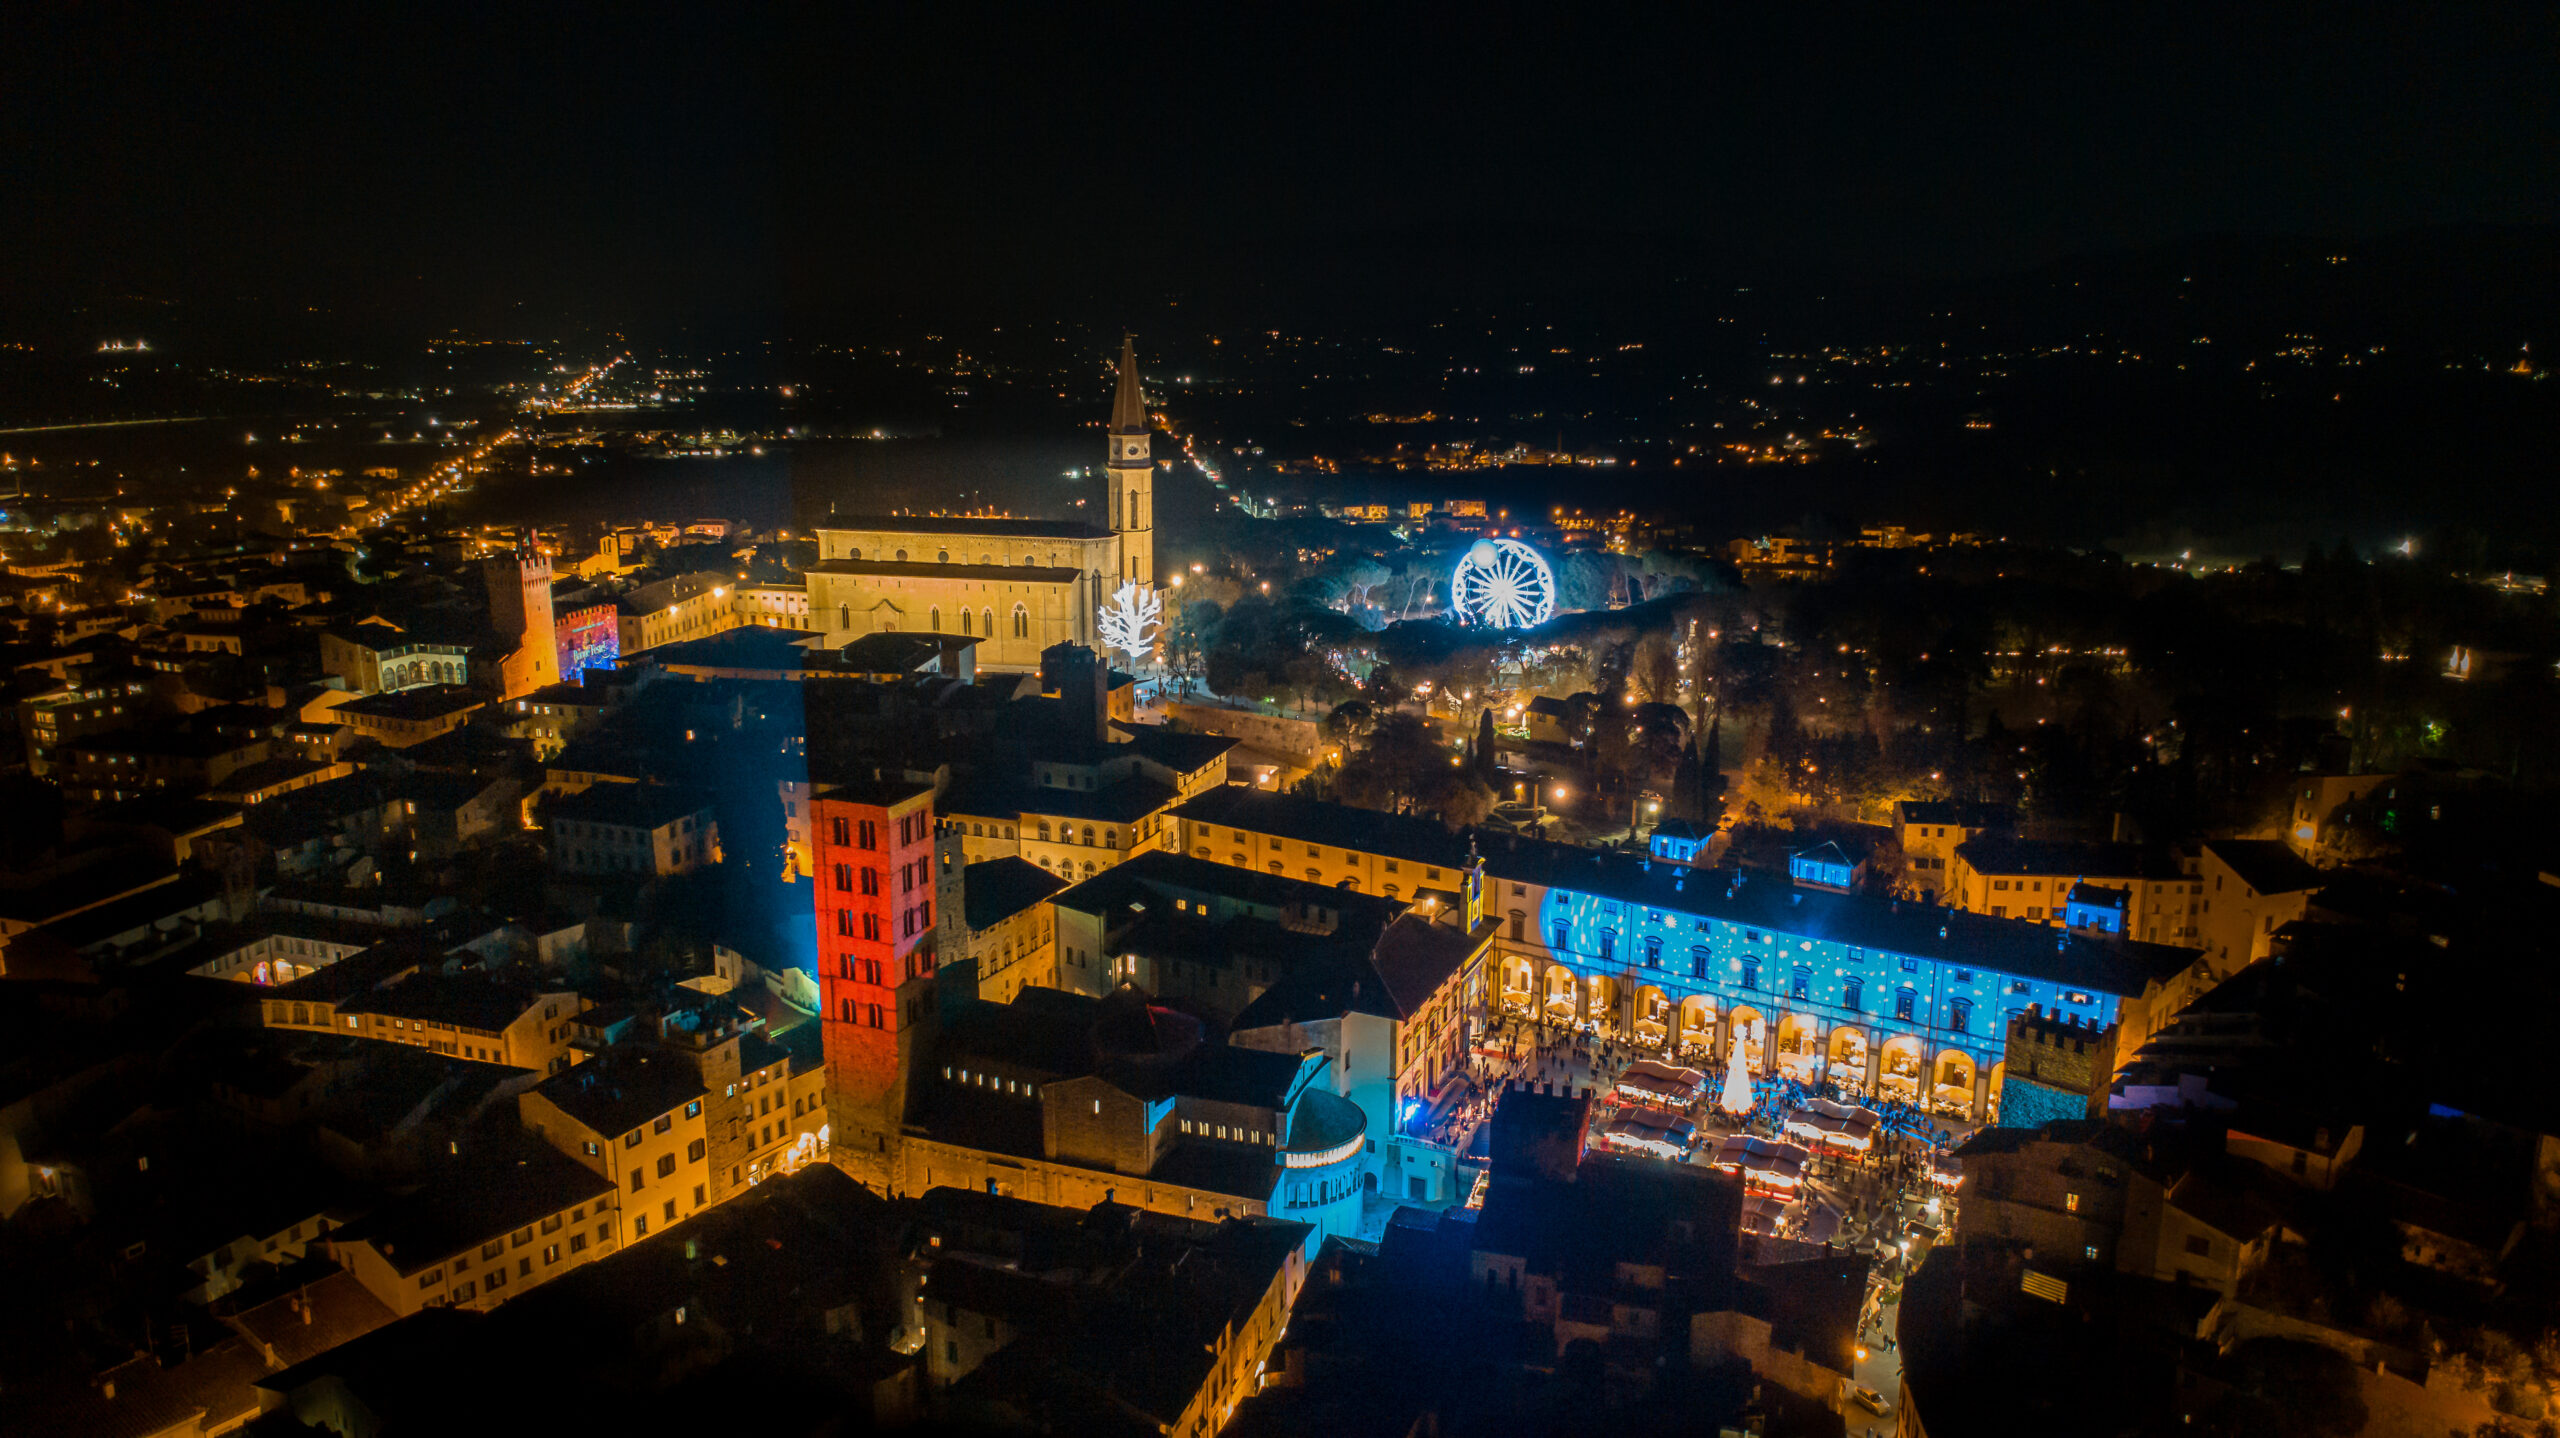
(872, 856)
(1900, 1025)
(587, 638)
(1880, 996)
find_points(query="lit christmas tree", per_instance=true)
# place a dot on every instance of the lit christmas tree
(1737, 1098)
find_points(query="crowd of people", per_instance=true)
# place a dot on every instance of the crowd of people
(1872, 1192)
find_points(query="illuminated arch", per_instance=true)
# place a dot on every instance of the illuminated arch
(1560, 999)
(1745, 1026)
(1697, 1026)
(1605, 992)
(1951, 1079)
(1847, 1052)
(1800, 1048)
(1898, 1072)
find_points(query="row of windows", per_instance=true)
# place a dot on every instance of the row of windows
(1237, 1134)
(993, 1082)
(1067, 834)
(943, 556)
(986, 621)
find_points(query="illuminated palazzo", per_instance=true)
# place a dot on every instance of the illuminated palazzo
(1016, 586)
(1897, 1000)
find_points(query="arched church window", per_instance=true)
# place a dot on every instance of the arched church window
(1021, 622)
(987, 622)
(934, 618)
(964, 621)
(902, 556)
(853, 554)
(942, 556)
(844, 616)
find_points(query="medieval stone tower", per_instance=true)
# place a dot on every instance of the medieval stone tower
(520, 611)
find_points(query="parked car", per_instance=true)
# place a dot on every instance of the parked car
(1869, 1399)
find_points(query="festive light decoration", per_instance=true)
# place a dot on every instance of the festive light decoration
(1737, 1098)
(1130, 619)
(1503, 583)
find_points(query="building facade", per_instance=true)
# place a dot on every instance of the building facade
(2029, 879)
(654, 830)
(1883, 997)
(688, 606)
(1017, 586)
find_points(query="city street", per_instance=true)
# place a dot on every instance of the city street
(1880, 1369)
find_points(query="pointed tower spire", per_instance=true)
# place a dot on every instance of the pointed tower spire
(1129, 406)
(1131, 473)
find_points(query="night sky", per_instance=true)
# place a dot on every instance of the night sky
(641, 163)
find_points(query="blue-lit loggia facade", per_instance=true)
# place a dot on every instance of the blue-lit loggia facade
(1897, 1001)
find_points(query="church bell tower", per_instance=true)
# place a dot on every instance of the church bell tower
(1132, 475)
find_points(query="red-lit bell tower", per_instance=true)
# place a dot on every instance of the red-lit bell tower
(872, 843)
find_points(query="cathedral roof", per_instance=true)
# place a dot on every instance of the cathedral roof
(1129, 403)
(962, 524)
(909, 569)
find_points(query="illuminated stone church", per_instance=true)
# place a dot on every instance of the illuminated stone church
(1016, 586)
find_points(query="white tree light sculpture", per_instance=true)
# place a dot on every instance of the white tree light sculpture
(1503, 583)
(1130, 619)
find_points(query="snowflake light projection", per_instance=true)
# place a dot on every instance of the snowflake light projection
(1130, 619)
(1503, 583)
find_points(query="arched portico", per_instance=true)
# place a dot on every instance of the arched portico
(1653, 1018)
(1847, 1054)
(1800, 1048)
(1560, 999)
(1746, 1027)
(1605, 1006)
(1697, 1028)
(1901, 1074)
(1951, 1081)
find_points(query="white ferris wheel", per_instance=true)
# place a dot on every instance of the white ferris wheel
(1503, 583)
